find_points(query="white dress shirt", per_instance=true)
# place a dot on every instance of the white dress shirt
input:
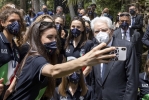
(127, 34)
(101, 65)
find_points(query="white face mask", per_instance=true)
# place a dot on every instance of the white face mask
(102, 37)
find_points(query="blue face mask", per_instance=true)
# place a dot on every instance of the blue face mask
(14, 28)
(50, 47)
(105, 14)
(75, 32)
(80, 15)
(124, 26)
(74, 78)
(58, 27)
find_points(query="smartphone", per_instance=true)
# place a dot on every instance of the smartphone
(120, 54)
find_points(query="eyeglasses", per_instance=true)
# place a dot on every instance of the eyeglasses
(43, 23)
(121, 15)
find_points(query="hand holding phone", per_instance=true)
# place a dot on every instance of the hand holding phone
(120, 54)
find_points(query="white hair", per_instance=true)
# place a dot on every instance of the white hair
(86, 18)
(103, 19)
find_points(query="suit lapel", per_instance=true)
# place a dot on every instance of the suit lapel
(119, 34)
(107, 71)
(98, 73)
(110, 64)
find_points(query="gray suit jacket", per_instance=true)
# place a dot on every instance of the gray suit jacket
(135, 39)
(120, 80)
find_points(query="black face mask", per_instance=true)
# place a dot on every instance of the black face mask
(45, 10)
(124, 26)
(59, 28)
(50, 47)
(74, 78)
(117, 18)
(13, 28)
(132, 12)
(90, 13)
(88, 30)
(75, 32)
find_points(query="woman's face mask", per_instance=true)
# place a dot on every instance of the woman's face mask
(88, 30)
(50, 47)
(13, 28)
(75, 32)
(74, 78)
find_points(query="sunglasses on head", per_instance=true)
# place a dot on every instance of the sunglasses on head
(124, 15)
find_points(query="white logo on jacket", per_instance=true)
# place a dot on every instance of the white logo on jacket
(4, 51)
(144, 85)
(63, 98)
(68, 50)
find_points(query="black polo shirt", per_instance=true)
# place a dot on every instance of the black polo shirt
(77, 52)
(76, 96)
(9, 58)
(143, 84)
(30, 81)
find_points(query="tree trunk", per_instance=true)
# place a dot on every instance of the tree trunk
(36, 5)
(23, 5)
(94, 1)
(45, 2)
(71, 10)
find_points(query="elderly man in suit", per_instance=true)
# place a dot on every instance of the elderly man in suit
(116, 80)
(129, 34)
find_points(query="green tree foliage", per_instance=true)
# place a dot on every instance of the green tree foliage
(16, 2)
(3, 2)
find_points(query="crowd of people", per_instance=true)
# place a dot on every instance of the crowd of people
(40, 59)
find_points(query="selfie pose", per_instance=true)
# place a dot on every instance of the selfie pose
(39, 67)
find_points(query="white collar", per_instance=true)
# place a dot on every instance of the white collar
(133, 16)
(128, 30)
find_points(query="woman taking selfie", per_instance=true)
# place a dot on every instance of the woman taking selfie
(39, 67)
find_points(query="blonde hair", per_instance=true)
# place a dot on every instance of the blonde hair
(42, 17)
(8, 5)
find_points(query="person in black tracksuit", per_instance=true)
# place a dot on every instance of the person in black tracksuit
(77, 44)
(144, 82)
(11, 26)
(73, 87)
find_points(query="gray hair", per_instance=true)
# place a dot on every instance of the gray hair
(59, 7)
(103, 19)
(125, 14)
